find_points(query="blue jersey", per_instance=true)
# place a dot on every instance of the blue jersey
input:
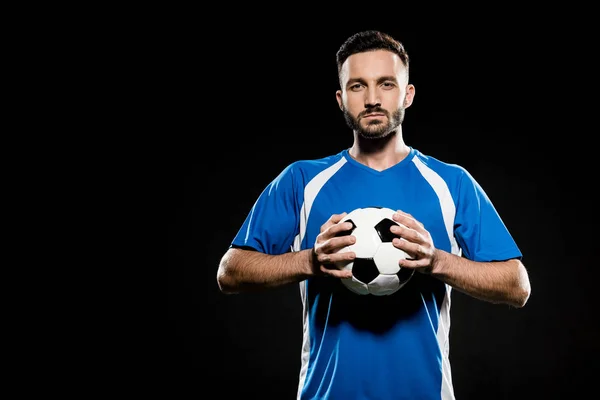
(376, 347)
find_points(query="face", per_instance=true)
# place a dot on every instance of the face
(375, 93)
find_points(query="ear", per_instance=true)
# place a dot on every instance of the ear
(410, 95)
(338, 97)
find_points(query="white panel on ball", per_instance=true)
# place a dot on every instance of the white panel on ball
(355, 286)
(384, 285)
(387, 258)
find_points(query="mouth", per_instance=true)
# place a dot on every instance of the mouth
(374, 115)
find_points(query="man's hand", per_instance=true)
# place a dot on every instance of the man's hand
(415, 241)
(328, 244)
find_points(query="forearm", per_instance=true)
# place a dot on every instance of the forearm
(497, 282)
(246, 270)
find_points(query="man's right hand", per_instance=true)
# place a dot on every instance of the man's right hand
(328, 244)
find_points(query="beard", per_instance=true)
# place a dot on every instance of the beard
(375, 129)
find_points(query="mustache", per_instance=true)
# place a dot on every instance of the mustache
(373, 110)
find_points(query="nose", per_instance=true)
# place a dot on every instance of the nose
(372, 98)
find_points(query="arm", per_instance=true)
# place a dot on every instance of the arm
(505, 282)
(245, 270)
(497, 282)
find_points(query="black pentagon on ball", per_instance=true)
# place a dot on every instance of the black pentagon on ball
(364, 269)
(405, 274)
(383, 230)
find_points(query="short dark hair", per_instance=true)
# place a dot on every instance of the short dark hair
(370, 41)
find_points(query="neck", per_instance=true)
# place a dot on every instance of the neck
(381, 153)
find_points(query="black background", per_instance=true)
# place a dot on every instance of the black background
(506, 95)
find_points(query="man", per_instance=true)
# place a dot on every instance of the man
(364, 346)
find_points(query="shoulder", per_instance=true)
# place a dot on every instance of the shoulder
(459, 181)
(443, 168)
(309, 168)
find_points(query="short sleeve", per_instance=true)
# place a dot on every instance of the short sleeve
(478, 227)
(273, 221)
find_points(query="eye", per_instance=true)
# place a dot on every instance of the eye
(355, 87)
(389, 85)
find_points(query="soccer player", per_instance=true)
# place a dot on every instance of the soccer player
(364, 346)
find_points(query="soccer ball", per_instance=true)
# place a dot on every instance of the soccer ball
(375, 269)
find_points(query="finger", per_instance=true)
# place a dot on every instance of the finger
(335, 244)
(330, 258)
(408, 220)
(407, 233)
(414, 250)
(336, 273)
(341, 229)
(404, 213)
(343, 257)
(333, 220)
(411, 263)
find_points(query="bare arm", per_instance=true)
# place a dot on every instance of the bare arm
(245, 270)
(504, 282)
(497, 282)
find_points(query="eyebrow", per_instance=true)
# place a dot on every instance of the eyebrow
(379, 80)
